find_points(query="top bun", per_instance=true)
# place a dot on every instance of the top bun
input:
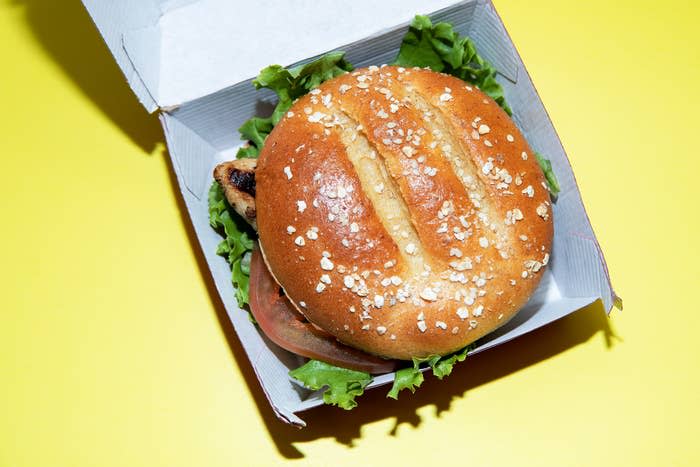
(402, 211)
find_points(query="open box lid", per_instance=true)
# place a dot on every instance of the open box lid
(175, 51)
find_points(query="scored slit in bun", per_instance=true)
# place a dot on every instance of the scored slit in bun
(402, 211)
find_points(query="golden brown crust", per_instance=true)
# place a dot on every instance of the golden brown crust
(402, 211)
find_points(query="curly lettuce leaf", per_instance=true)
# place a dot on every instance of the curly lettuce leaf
(255, 130)
(289, 85)
(440, 48)
(546, 167)
(443, 366)
(406, 378)
(343, 385)
(412, 377)
(237, 244)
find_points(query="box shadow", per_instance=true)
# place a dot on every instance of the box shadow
(67, 34)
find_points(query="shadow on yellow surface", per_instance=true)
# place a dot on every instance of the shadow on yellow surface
(473, 372)
(66, 32)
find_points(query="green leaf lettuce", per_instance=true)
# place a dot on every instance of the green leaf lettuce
(411, 377)
(289, 85)
(343, 384)
(237, 243)
(546, 167)
(406, 378)
(441, 49)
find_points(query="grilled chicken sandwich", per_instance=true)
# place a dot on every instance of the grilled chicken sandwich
(400, 213)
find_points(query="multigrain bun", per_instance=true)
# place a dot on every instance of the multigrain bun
(402, 211)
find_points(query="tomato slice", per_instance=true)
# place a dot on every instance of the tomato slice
(288, 328)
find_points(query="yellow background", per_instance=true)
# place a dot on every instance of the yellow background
(115, 350)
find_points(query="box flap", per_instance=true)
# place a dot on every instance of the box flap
(176, 51)
(113, 18)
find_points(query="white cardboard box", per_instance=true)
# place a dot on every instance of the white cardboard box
(193, 62)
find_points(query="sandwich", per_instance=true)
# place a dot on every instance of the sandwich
(385, 218)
